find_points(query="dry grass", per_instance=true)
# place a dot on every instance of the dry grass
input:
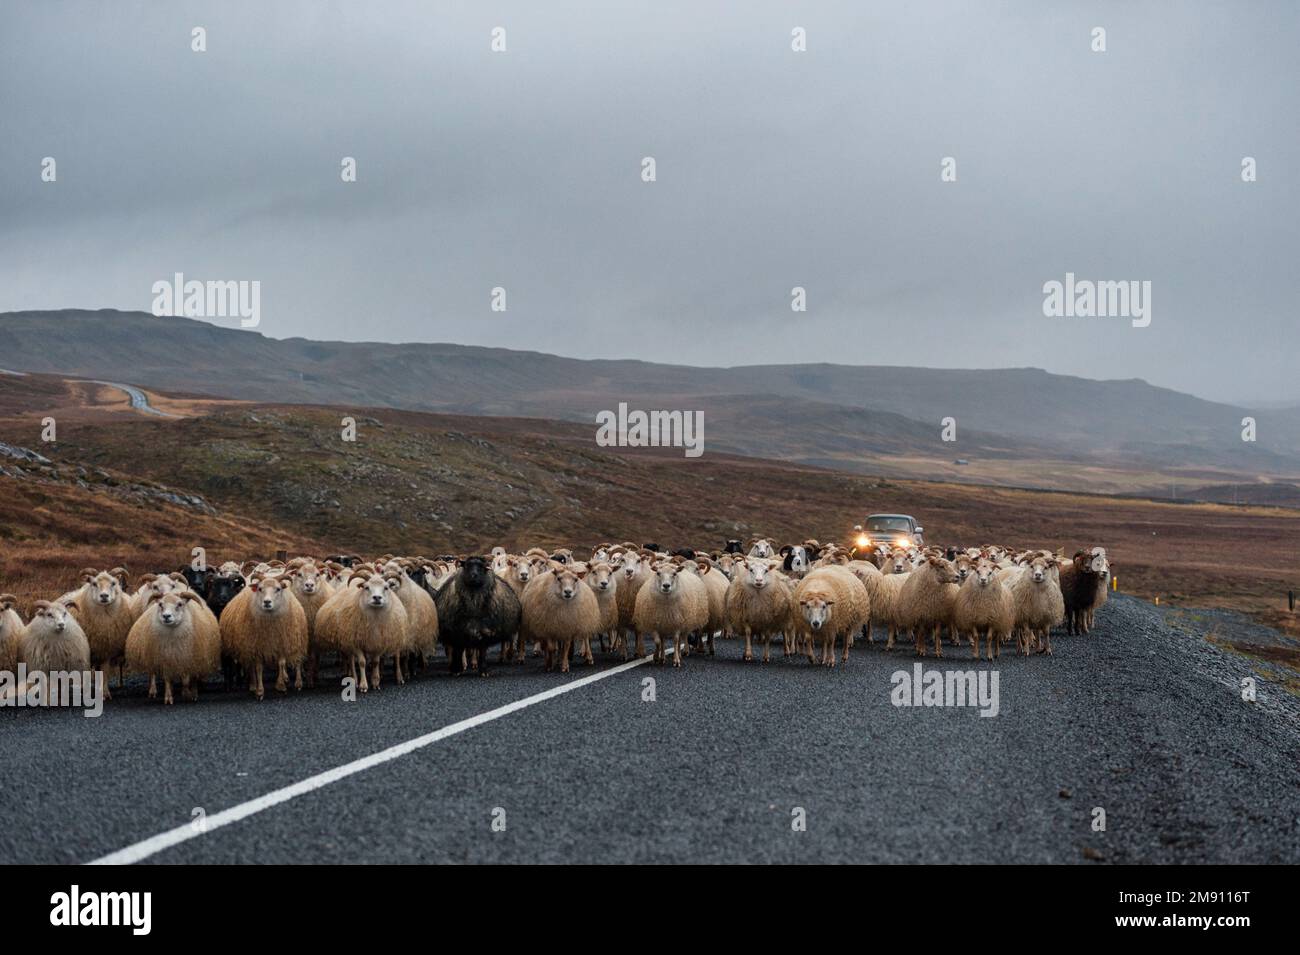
(452, 479)
(48, 533)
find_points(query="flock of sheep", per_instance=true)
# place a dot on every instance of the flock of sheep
(238, 620)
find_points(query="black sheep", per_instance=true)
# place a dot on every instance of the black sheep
(218, 591)
(476, 609)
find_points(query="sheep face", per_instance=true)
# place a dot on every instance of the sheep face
(563, 585)
(963, 566)
(173, 608)
(53, 615)
(103, 588)
(1039, 570)
(222, 589)
(269, 593)
(898, 562)
(761, 548)
(375, 589)
(307, 579)
(629, 564)
(665, 576)
(984, 571)
(756, 574)
(501, 562)
(159, 586)
(601, 578)
(942, 570)
(816, 611)
(474, 573)
(520, 568)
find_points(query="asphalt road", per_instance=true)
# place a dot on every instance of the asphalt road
(1138, 719)
(139, 400)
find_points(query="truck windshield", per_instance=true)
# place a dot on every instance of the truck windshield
(889, 524)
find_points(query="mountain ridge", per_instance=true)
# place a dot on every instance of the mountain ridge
(799, 412)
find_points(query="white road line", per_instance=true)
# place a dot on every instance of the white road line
(191, 830)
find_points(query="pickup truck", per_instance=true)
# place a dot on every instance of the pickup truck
(891, 529)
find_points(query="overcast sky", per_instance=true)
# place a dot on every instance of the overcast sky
(775, 169)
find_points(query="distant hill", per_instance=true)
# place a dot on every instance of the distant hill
(850, 417)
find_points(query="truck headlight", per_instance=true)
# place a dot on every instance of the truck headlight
(864, 540)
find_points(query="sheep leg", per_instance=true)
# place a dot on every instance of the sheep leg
(586, 649)
(828, 649)
(121, 674)
(679, 642)
(281, 675)
(749, 644)
(1046, 641)
(188, 692)
(153, 686)
(397, 669)
(889, 643)
(376, 671)
(767, 646)
(259, 690)
(167, 690)
(848, 642)
(359, 661)
(659, 649)
(866, 632)
(995, 646)
(938, 640)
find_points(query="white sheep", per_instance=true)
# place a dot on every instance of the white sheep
(604, 584)
(1036, 597)
(53, 642)
(364, 622)
(558, 609)
(176, 638)
(671, 604)
(105, 614)
(758, 605)
(984, 604)
(830, 602)
(264, 623)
